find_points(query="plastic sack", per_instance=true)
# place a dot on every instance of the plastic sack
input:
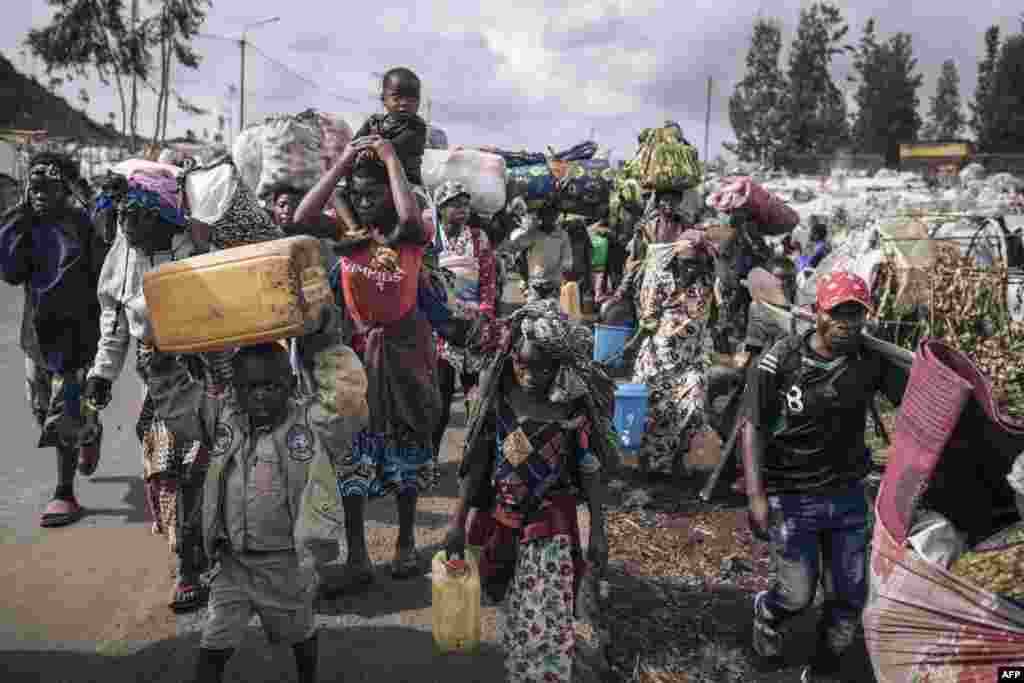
(455, 604)
(291, 151)
(247, 153)
(936, 539)
(482, 173)
(335, 134)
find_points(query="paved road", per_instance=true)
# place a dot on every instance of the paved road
(87, 602)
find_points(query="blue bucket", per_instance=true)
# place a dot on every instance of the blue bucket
(630, 417)
(609, 340)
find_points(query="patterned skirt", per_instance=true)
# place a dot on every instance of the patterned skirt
(537, 618)
(165, 462)
(381, 465)
(675, 392)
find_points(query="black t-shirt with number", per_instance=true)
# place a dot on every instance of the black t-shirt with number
(813, 413)
(763, 330)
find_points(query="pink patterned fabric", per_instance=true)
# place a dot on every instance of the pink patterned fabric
(742, 192)
(164, 185)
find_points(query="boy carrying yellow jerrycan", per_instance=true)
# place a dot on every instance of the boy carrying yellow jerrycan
(456, 603)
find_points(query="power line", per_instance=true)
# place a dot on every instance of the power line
(301, 77)
(281, 65)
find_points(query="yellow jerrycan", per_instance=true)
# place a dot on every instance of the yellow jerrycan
(456, 603)
(571, 300)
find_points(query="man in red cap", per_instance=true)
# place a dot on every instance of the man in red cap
(804, 459)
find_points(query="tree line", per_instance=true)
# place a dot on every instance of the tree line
(94, 36)
(779, 114)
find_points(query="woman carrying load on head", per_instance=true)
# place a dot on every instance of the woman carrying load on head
(376, 280)
(673, 337)
(538, 440)
(143, 212)
(465, 256)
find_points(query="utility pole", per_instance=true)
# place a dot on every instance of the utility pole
(241, 78)
(707, 124)
(135, 92)
(241, 88)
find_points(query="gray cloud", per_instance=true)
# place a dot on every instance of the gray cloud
(464, 75)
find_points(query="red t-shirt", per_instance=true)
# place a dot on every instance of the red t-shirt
(377, 296)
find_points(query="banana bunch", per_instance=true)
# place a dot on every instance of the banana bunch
(672, 166)
(625, 190)
(1000, 570)
(664, 161)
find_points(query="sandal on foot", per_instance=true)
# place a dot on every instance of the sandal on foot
(406, 565)
(186, 597)
(352, 580)
(60, 512)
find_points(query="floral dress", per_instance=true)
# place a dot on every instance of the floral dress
(532, 463)
(672, 362)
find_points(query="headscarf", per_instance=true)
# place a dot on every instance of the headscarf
(158, 192)
(579, 377)
(448, 191)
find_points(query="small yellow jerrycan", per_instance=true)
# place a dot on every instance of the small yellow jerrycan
(456, 603)
(570, 300)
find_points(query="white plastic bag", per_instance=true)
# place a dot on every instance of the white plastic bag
(210, 192)
(482, 173)
(936, 539)
(247, 154)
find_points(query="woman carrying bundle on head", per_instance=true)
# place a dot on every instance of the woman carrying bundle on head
(673, 336)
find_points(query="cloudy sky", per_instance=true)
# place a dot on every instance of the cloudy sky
(530, 73)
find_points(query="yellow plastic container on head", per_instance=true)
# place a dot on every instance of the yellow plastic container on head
(456, 604)
(236, 297)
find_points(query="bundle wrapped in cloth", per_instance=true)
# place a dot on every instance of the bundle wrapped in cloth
(768, 209)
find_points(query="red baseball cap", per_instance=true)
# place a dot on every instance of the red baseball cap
(840, 287)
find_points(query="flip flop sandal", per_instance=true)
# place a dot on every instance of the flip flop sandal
(61, 512)
(187, 597)
(352, 581)
(407, 567)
